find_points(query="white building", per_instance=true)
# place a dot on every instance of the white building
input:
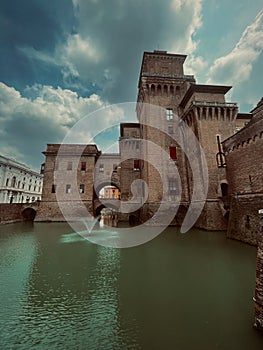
(18, 183)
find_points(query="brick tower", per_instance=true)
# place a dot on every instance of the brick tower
(162, 83)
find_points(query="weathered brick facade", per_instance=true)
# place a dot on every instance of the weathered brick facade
(203, 108)
(68, 181)
(155, 150)
(245, 178)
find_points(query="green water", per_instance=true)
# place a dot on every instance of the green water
(59, 291)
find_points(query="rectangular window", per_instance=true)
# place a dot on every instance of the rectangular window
(101, 168)
(136, 164)
(172, 186)
(81, 188)
(83, 166)
(68, 188)
(173, 155)
(69, 166)
(169, 114)
(53, 189)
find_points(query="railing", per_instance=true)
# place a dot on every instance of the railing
(168, 75)
(214, 104)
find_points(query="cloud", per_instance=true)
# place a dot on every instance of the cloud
(192, 13)
(104, 52)
(30, 28)
(27, 124)
(236, 66)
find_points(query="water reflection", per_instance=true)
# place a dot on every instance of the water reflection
(110, 220)
(59, 291)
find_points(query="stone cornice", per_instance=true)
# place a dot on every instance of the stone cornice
(212, 89)
(243, 137)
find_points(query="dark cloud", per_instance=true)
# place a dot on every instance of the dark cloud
(90, 46)
(32, 23)
(120, 31)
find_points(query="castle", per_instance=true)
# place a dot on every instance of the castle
(188, 142)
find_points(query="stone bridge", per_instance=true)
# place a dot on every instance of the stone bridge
(15, 212)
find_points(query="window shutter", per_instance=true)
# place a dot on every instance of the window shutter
(173, 152)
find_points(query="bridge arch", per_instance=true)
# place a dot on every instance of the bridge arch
(29, 213)
(101, 206)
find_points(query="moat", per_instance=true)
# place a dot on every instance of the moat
(178, 291)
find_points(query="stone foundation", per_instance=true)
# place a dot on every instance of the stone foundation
(244, 218)
(16, 212)
(211, 217)
(50, 211)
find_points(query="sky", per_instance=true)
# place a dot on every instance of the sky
(63, 59)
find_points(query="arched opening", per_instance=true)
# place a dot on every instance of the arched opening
(165, 89)
(99, 209)
(108, 190)
(159, 89)
(153, 88)
(29, 214)
(108, 216)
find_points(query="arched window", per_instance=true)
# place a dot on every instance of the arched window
(152, 88)
(159, 89)
(13, 183)
(7, 182)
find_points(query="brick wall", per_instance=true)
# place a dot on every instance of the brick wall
(244, 153)
(14, 212)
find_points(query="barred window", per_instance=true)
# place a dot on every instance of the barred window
(101, 168)
(169, 114)
(173, 186)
